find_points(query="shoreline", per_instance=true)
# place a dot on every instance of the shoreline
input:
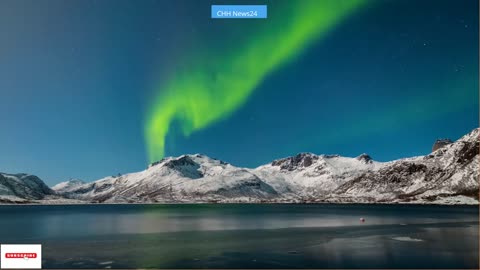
(245, 203)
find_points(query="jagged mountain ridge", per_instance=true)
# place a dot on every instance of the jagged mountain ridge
(175, 179)
(200, 178)
(450, 171)
(18, 187)
(447, 175)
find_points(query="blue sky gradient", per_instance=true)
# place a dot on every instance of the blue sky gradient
(76, 76)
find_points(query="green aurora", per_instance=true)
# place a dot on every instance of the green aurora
(196, 99)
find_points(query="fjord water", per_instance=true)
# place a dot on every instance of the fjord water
(246, 236)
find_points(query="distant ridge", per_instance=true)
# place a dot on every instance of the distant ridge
(449, 175)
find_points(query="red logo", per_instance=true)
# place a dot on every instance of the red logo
(20, 255)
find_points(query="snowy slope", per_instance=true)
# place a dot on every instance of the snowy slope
(449, 175)
(68, 185)
(21, 188)
(310, 175)
(186, 178)
(449, 171)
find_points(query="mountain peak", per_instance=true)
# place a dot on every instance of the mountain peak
(68, 185)
(23, 186)
(365, 158)
(300, 160)
(186, 159)
(472, 136)
(448, 173)
(181, 161)
(439, 143)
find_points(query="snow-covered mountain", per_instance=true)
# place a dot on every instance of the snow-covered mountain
(22, 187)
(447, 175)
(185, 178)
(312, 176)
(68, 186)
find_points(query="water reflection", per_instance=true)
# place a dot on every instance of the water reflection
(247, 236)
(68, 221)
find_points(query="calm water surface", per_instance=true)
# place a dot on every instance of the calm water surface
(247, 236)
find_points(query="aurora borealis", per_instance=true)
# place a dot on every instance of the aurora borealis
(93, 88)
(211, 90)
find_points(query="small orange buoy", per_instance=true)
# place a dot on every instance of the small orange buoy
(362, 219)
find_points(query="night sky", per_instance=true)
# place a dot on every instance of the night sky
(91, 88)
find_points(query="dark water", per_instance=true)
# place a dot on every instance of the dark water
(247, 236)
